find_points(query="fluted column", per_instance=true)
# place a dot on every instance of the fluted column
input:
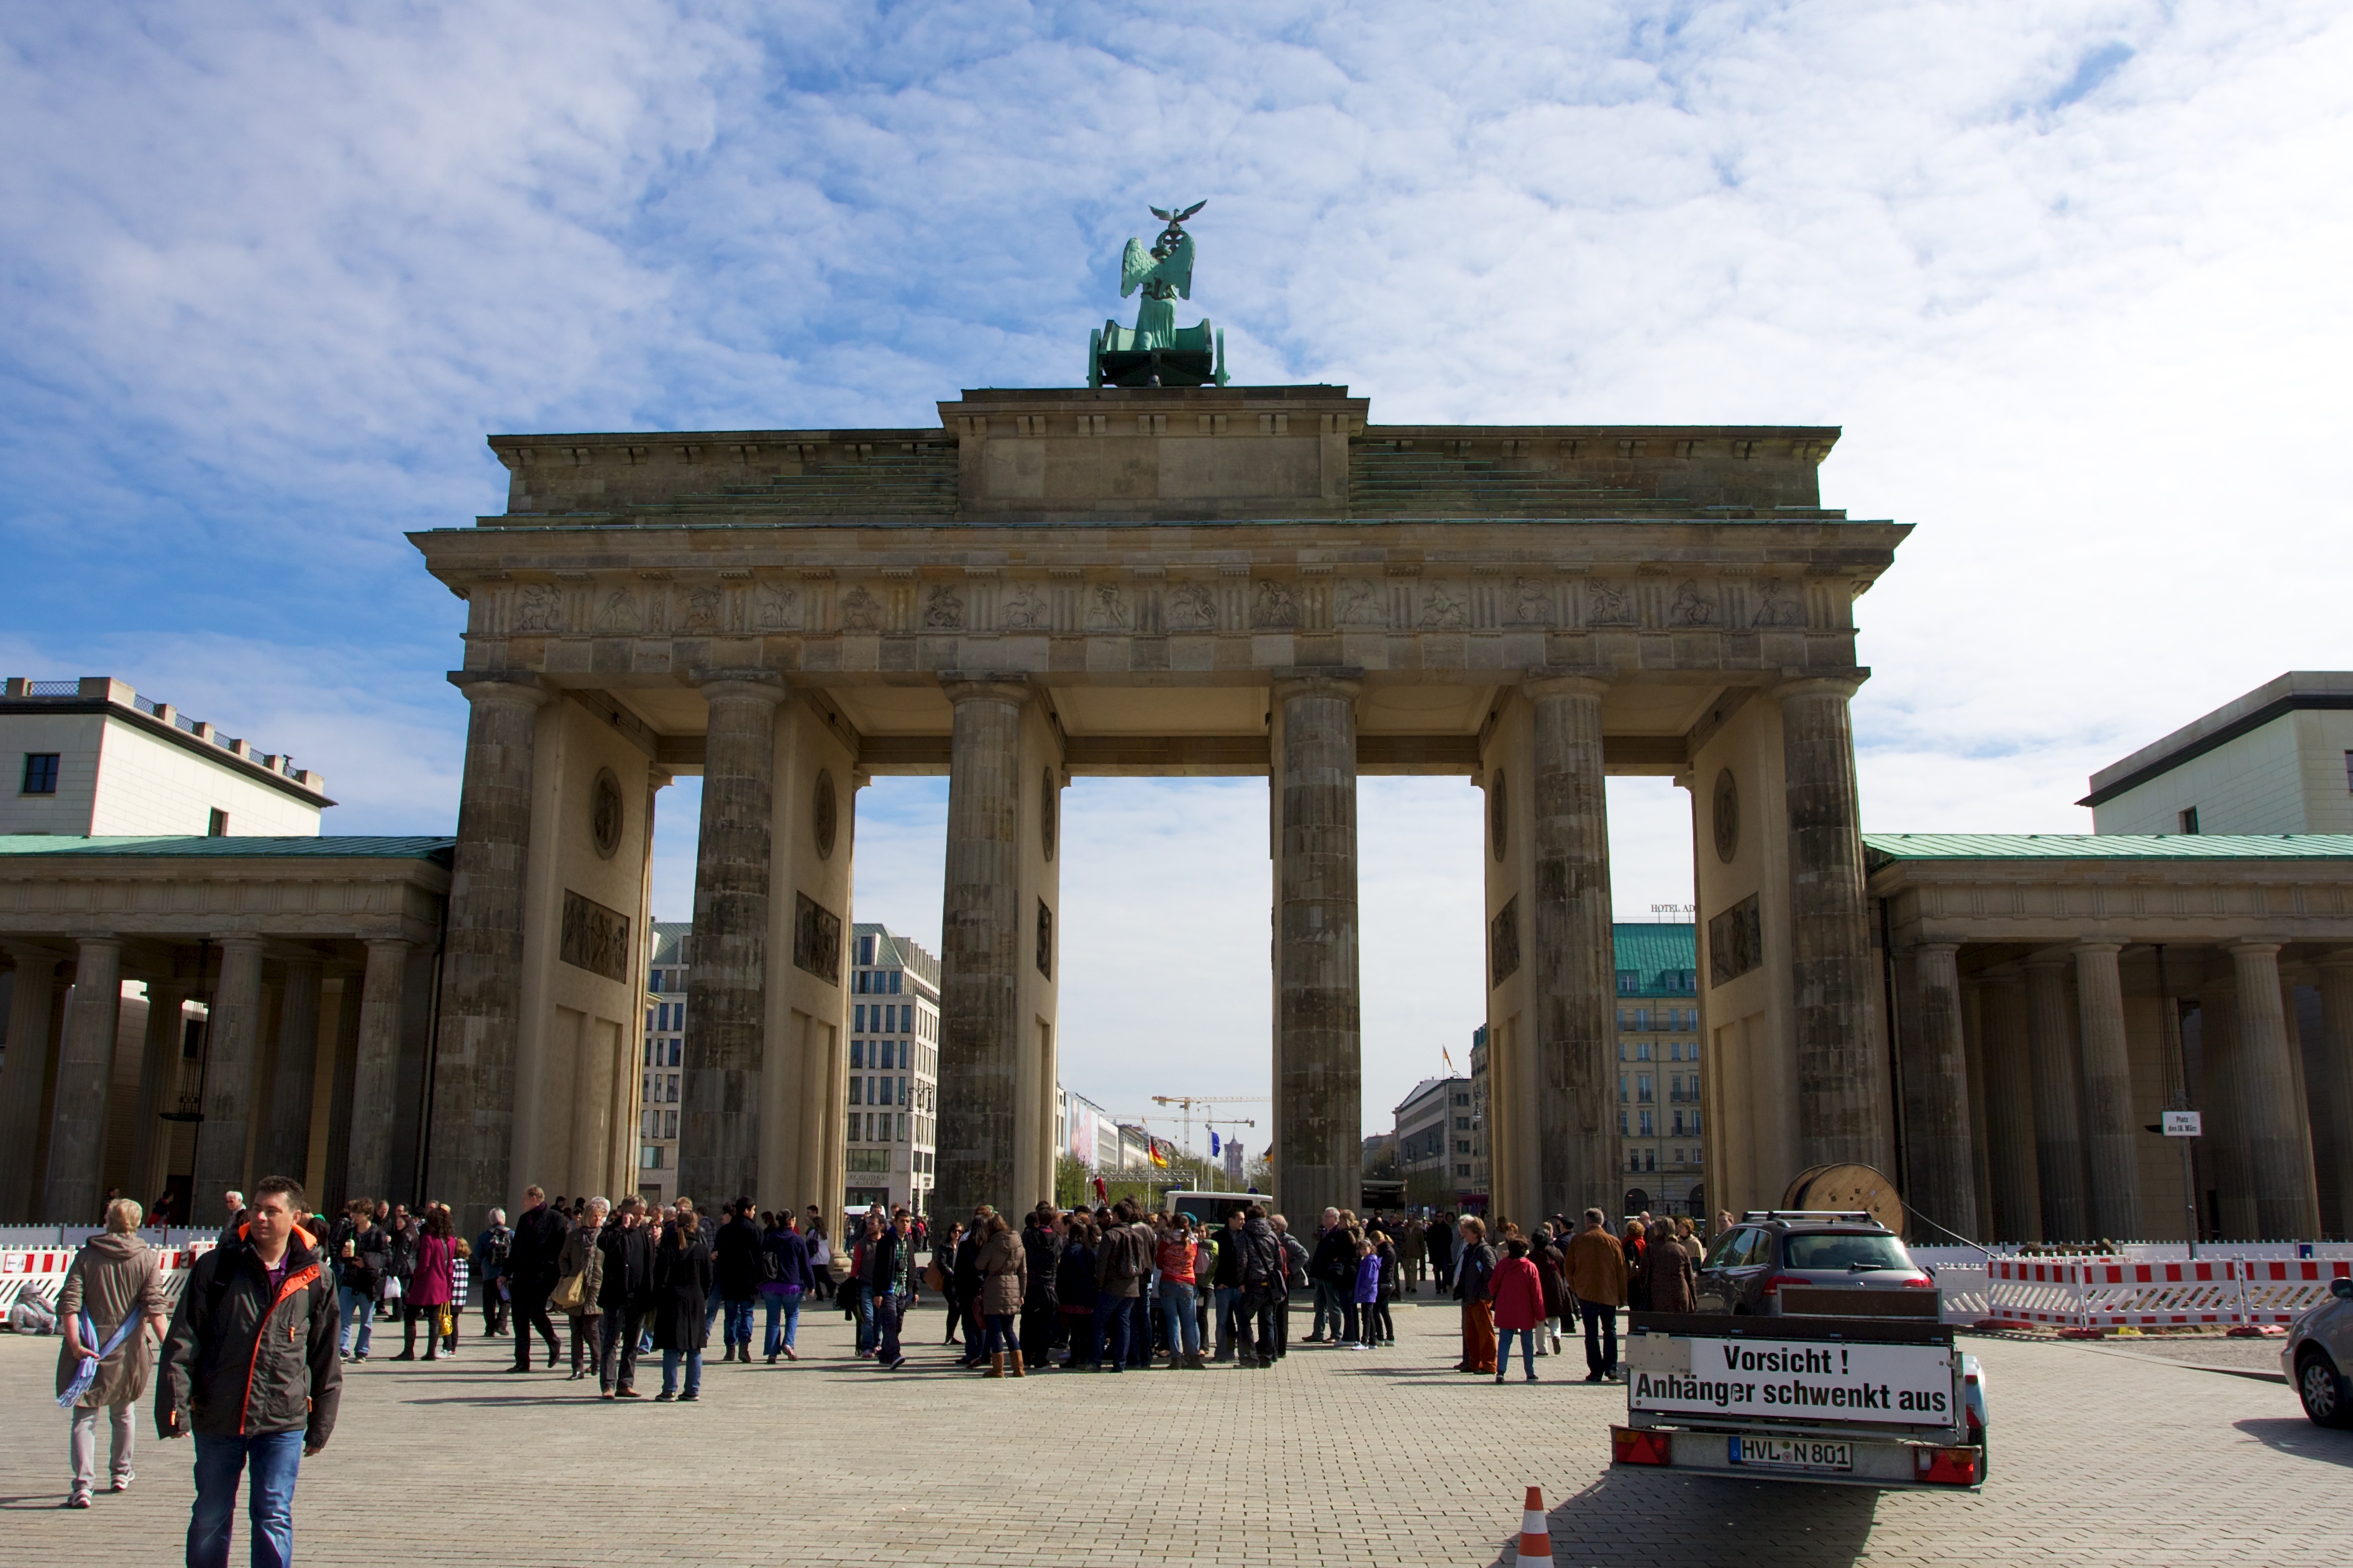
(980, 951)
(159, 1090)
(2333, 1094)
(2222, 1152)
(2058, 1121)
(719, 1127)
(474, 1067)
(232, 1042)
(1573, 985)
(287, 1150)
(1935, 1084)
(2279, 1160)
(2110, 1135)
(31, 1002)
(335, 1162)
(2008, 1132)
(375, 1071)
(1843, 1111)
(1318, 1049)
(85, 1068)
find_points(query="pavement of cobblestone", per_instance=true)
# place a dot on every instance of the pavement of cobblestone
(1336, 1458)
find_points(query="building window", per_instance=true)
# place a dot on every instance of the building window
(41, 773)
(1649, 1127)
(1650, 1159)
(1641, 1050)
(1461, 1170)
(219, 827)
(650, 1158)
(1642, 1087)
(2190, 819)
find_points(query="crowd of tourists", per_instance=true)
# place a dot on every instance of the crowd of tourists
(250, 1361)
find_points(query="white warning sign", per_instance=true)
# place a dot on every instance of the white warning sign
(1897, 1386)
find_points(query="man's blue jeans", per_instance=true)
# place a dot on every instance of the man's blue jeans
(1527, 1352)
(1327, 1306)
(1111, 1330)
(787, 1307)
(889, 1312)
(1227, 1298)
(1139, 1331)
(355, 1304)
(693, 1359)
(739, 1325)
(275, 1460)
(1182, 1324)
(865, 1319)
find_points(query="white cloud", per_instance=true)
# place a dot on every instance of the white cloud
(2069, 274)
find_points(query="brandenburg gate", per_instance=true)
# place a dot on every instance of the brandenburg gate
(1145, 579)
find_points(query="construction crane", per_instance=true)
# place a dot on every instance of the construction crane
(1187, 1101)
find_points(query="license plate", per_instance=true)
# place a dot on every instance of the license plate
(1792, 1453)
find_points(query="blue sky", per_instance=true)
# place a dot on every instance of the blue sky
(2070, 275)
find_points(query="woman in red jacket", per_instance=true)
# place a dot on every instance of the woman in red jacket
(1518, 1291)
(432, 1289)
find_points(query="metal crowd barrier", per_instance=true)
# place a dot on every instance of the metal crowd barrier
(2120, 1292)
(41, 1271)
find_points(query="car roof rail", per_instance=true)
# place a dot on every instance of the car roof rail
(1849, 1217)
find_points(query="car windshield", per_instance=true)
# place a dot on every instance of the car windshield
(1846, 1250)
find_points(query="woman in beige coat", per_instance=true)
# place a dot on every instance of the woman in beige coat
(114, 1280)
(1004, 1266)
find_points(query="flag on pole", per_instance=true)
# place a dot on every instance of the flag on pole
(1158, 1158)
(1449, 1056)
(1101, 1190)
(1213, 1143)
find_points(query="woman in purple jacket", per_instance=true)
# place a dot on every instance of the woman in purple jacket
(432, 1287)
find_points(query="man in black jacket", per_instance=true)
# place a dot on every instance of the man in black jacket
(1334, 1270)
(1042, 1307)
(1264, 1297)
(532, 1275)
(249, 1366)
(735, 1266)
(624, 1295)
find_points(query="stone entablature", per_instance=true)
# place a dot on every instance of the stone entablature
(1303, 452)
(49, 890)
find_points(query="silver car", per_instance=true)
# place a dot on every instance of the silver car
(1817, 1249)
(2318, 1351)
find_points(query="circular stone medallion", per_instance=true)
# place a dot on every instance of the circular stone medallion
(1727, 816)
(824, 815)
(606, 813)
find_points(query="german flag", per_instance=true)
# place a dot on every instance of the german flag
(1159, 1154)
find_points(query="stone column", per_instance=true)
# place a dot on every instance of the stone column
(1573, 984)
(376, 1072)
(335, 1161)
(1318, 1087)
(2110, 1137)
(2009, 1110)
(2222, 1152)
(2058, 1125)
(2287, 1203)
(980, 951)
(727, 1037)
(232, 1042)
(1842, 1112)
(287, 1150)
(2333, 1094)
(76, 1174)
(22, 1075)
(481, 972)
(1936, 1085)
(159, 1090)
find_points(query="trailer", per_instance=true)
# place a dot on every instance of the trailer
(1875, 1401)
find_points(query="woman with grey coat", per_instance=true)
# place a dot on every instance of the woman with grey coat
(114, 1282)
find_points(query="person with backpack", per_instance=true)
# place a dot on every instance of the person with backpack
(1041, 1244)
(1266, 1297)
(1074, 1289)
(490, 1250)
(1473, 1274)
(249, 1368)
(111, 1300)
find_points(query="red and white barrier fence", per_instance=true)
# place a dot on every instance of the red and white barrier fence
(2121, 1292)
(41, 1271)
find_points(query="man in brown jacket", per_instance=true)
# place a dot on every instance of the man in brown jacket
(1597, 1277)
(110, 1304)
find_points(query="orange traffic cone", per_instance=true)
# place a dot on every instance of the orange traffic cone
(1535, 1537)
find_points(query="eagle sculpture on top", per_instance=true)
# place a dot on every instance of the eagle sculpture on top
(1156, 352)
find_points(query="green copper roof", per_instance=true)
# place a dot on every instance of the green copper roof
(1885, 848)
(226, 849)
(1656, 958)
